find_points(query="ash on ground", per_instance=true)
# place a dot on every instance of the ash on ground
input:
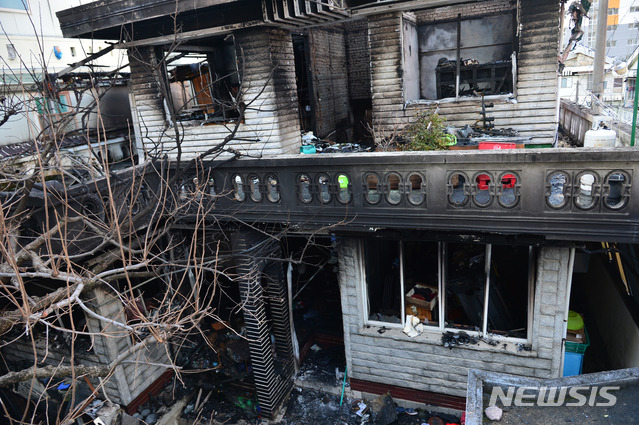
(312, 407)
(565, 141)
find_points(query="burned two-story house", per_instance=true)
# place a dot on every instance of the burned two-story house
(480, 246)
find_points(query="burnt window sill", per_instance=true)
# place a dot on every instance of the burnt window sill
(505, 98)
(434, 337)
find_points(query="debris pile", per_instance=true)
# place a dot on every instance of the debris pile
(453, 339)
(383, 411)
(160, 403)
(312, 144)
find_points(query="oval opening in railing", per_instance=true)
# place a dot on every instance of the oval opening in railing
(254, 188)
(557, 196)
(483, 196)
(508, 194)
(416, 195)
(586, 196)
(304, 188)
(324, 188)
(344, 195)
(238, 188)
(617, 184)
(457, 183)
(393, 182)
(272, 188)
(372, 188)
(616, 191)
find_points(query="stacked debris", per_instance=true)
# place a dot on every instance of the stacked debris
(312, 144)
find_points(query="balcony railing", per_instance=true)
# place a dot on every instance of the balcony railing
(563, 194)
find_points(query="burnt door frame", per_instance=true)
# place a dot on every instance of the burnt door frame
(304, 80)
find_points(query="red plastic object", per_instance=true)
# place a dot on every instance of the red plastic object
(509, 181)
(483, 182)
(496, 145)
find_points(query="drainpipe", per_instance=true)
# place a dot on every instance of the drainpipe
(571, 264)
(634, 109)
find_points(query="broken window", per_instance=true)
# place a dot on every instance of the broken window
(487, 288)
(462, 57)
(12, 52)
(204, 82)
(566, 82)
(55, 111)
(383, 281)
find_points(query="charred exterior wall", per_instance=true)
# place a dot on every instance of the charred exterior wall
(267, 74)
(531, 109)
(422, 362)
(359, 60)
(330, 82)
(359, 77)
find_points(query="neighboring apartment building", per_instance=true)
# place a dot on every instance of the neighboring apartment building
(622, 28)
(491, 236)
(575, 83)
(32, 45)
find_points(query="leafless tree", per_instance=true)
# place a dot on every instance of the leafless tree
(95, 273)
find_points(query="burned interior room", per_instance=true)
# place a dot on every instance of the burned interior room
(204, 81)
(486, 287)
(466, 56)
(317, 308)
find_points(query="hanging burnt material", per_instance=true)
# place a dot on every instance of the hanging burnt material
(265, 304)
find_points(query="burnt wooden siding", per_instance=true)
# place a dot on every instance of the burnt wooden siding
(330, 81)
(267, 72)
(140, 369)
(531, 111)
(359, 60)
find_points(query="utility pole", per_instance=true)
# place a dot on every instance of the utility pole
(600, 53)
(634, 108)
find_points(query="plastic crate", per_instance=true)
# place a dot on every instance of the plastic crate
(497, 145)
(578, 347)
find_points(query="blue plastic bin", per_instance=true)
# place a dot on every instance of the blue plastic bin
(574, 358)
(573, 363)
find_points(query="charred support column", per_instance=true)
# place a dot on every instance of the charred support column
(262, 282)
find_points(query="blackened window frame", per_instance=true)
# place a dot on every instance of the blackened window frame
(512, 59)
(217, 73)
(442, 325)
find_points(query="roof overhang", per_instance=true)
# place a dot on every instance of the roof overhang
(104, 18)
(135, 21)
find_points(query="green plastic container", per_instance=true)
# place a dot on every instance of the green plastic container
(576, 347)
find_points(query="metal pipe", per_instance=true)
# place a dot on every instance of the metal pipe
(487, 269)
